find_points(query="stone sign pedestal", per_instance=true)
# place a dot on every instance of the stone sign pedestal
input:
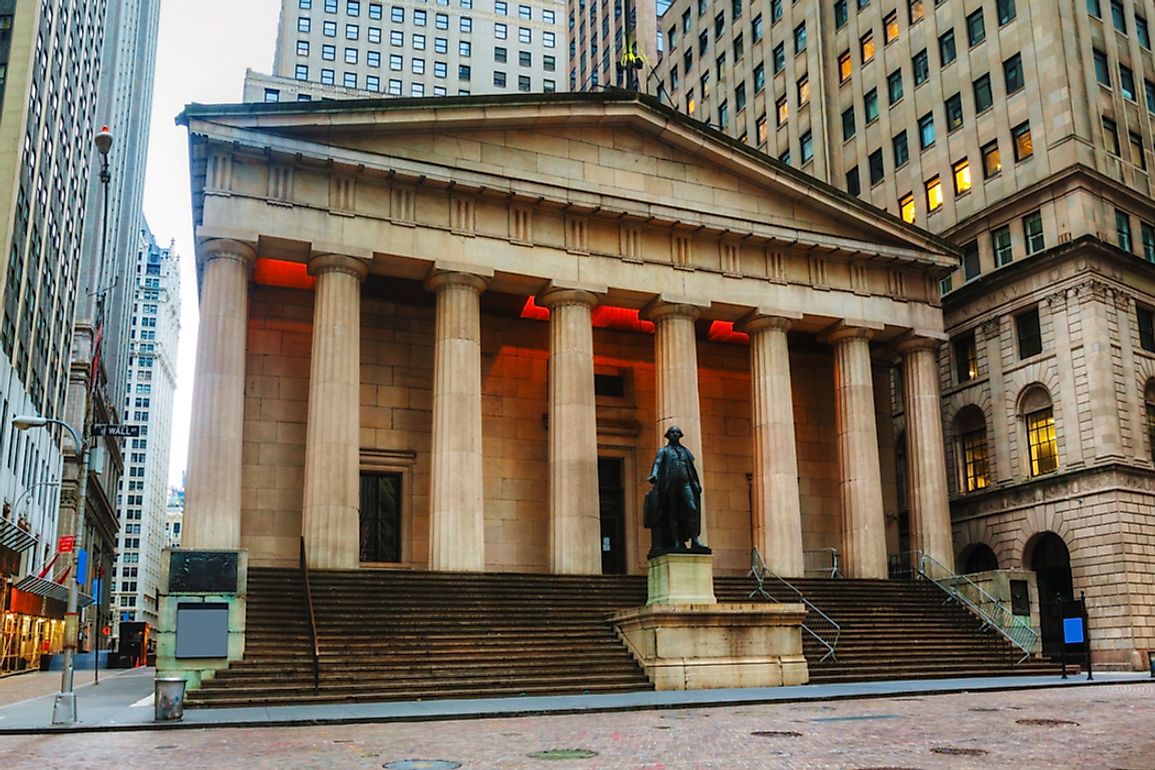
(686, 640)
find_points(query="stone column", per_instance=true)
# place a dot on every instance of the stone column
(777, 516)
(213, 485)
(930, 528)
(676, 375)
(330, 513)
(456, 500)
(863, 518)
(574, 510)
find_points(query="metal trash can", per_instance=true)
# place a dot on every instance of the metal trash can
(169, 699)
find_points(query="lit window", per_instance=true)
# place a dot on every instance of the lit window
(1044, 451)
(916, 10)
(934, 194)
(962, 176)
(845, 67)
(783, 111)
(866, 46)
(803, 90)
(906, 208)
(992, 164)
(1021, 140)
(976, 463)
(890, 27)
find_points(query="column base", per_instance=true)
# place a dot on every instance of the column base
(695, 647)
(681, 578)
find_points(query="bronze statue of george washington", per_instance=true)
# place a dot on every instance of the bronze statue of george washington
(673, 506)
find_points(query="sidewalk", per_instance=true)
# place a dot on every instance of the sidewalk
(124, 701)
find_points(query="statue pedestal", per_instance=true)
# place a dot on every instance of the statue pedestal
(686, 640)
(681, 578)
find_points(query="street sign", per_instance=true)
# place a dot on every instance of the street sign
(116, 429)
(66, 544)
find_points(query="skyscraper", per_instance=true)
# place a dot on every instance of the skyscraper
(151, 376)
(1022, 132)
(356, 48)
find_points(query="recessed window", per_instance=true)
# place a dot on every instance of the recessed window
(1147, 233)
(302, 48)
(762, 130)
(800, 38)
(946, 48)
(329, 52)
(841, 15)
(933, 194)
(962, 176)
(1013, 73)
(803, 90)
(1033, 232)
(954, 112)
(1028, 333)
(328, 77)
(901, 149)
(806, 143)
(1123, 230)
(1021, 141)
(926, 131)
(1005, 9)
(890, 27)
(971, 267)
(870, 105)
(916, 10)
(906, 208)
(1145, 319)
(1142, 33)
(1135, 143)
(380, 517)
(329, 28)
(779, 58)
(1044, 451)
(845, 67)
(983, 96)
(966, 357)
(992, 162)
(757, 29)
(1118, 16)
(877, 167)
(894, 86)
(782, 110)
(921, 67)
(848, 127)
(1110, 136)
(1102, 71)
(866, 46)
(1001, 244)
(976, 28)
(1126, 83)
(1095, 9)
(853, 184)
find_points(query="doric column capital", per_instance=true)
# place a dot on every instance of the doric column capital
(441, 279)
(846, 333)
(552, 298)
(915, 344)
(338, 263)
(659, 310)
(227, 248)
(755, 323)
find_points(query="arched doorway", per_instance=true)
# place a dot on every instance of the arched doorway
(1047, 555)
(978, 558)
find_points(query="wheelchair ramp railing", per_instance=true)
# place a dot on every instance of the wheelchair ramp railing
(815, 618)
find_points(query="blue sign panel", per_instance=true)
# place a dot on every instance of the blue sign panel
(1073, 631)
(81, 566)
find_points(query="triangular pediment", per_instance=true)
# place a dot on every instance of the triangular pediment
(619, 154)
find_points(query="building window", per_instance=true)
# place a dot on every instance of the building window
(328, 77)
(523, 83)
(906, 208)
(782, 111)
(976, 462)
(373, 34)
(304, 24)
(976, 28)
(373, 58)
(1147, 233)
(890, 27)
(380, 517)
(1001, 245)
(894, 86)
(926, 131)
(465, 50)
(329, 28)
(302, 72)
(853, 184)
(1013, 73)
(966, 357)
(762, 129)
(350, 55)
(501, 31)
(841, 16)
(1142, 32)
(877, 167)
(1135, 142)
(848, 127)
(962, 176)
(800, 38)
(1094, 9)
(349, 80)
(499, 79)
(1126, 83)
(807, 145)
(779, 58)
(954, 112)
(1118, 17)
(803, 90)
(328, 52)
(396, 63)
(1041, 444)
(916, 10)
(1145, 319)
(524, 35)
(1123, 230)
(946, 48)
(1102, 71)
(440, 69)
(1005, 10)
(352, 31)
(1028, 333)
(845, 67)
(757, 29)
(866, 47)
(921, 67)
(933, 194)
(759, 77)
(272, 95)
(464, 72)
(723, 115)
(372, 83)
(901, 149)
(1110, 136)
(302, 48)
(1033, 232)
(971, 265)
(992, 162)
(1021, 141)
(983, 97)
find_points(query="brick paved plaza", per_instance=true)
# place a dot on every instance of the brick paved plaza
(1107, 726)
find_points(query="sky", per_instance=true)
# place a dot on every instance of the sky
(203, 50)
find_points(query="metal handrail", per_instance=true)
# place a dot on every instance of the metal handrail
(834, 569)
(990, 610)
(759, 571)
(312, 620)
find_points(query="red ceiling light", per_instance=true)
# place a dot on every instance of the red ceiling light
(723, 331)
(288, 275)
(602, 317)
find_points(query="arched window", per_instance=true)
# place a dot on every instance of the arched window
(970, 429)
(1149, 402)
(1038, 417)
(979, 558)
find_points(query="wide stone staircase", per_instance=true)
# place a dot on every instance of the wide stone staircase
(405, 635)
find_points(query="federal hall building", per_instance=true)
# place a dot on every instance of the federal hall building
(450, 337)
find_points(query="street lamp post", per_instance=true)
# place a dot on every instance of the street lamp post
(64, 705)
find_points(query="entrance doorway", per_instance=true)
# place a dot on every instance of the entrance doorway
(1048, 556)
(612, 504)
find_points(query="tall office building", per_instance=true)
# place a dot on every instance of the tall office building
(151, 376)
(50, 57)
(1022, 132)
(359, 49)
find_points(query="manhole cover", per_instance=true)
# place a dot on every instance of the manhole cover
(954, 751)
(1046, 722)
(776, 734)
(422, 764)
(563, 754)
